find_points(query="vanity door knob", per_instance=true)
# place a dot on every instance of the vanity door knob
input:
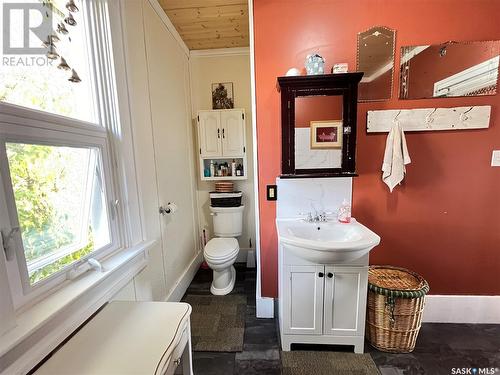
(330, 275)
(321, 274)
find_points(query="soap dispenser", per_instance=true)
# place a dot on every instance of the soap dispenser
(344, 215)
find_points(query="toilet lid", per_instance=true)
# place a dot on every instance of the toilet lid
(221, 247)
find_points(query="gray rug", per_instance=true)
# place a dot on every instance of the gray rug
(327, 363)
(217, 322)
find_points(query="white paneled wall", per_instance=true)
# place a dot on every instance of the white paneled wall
(229, 65)
(160, 117)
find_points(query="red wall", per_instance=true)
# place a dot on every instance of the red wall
(445, 221)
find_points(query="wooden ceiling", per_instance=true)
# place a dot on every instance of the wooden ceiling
(209, 24)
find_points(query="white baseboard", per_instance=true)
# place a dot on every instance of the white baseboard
(182, 284)
(462, 309)
(264, 307)
(251, 261)
(242, 255)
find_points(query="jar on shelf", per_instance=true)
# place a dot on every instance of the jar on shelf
(315, 64)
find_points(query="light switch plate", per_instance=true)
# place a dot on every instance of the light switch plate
(272, 192)
(495, 158)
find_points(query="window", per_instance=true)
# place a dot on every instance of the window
(60, 204)
(36, 81)
(58, 119)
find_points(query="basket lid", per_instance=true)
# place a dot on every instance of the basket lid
(396, 282)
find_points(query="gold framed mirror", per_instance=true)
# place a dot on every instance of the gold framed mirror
(375, 57)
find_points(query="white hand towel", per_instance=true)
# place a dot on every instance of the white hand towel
(396, 157)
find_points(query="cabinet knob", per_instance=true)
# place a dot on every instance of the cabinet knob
(330, 275)
(321, 274)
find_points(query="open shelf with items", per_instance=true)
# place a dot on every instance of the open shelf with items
(221, 139)
(224, 165)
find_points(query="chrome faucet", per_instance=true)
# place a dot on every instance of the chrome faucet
(318, 217)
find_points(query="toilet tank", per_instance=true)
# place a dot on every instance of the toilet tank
(228, 221)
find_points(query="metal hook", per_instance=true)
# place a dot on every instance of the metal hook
(395, 119)
(463, 116)
(429, 119)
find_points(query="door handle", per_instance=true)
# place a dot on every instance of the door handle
(170, 208)
(223, 135)
(321, 274)
(330, 275)
(218, 133)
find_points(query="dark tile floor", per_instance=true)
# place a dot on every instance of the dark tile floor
(440, 347)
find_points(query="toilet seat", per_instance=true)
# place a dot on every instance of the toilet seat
(221, 249)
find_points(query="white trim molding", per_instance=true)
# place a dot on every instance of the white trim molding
(180, 287)
(264, 305)
(462, 309)
(236, 51)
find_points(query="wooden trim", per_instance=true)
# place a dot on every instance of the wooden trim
(236, 51)
(429, 119)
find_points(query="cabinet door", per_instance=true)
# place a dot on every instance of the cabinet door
(209, 134)
(233, 132)
(345, 300)
(303, 300)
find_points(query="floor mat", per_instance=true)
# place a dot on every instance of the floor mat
(217, 322)
(327, 363)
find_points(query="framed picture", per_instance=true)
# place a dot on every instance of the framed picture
(222, 95)
(326, 134)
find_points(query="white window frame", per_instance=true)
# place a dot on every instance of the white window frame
(20, 124)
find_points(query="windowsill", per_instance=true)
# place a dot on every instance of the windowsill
(78, 297)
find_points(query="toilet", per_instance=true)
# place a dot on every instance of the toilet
(221, 252)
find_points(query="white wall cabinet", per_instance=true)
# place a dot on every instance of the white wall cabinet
(221, 138)
(233, 132)
(222, 133)
(322, 304)
(209, 133)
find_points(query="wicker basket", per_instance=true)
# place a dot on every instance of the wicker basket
(394, 308)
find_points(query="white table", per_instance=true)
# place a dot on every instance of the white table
(128, 338)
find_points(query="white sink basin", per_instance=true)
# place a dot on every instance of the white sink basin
(326, 242)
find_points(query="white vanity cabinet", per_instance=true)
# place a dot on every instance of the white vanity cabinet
(345, 300)
(221, 138)
(303, 299)
(322, 304)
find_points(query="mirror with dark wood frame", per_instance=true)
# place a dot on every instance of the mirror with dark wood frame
(318, 125)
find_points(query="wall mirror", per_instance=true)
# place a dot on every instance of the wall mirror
(318, 132)
(449, 69)
(375, 58)
(318, 125)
